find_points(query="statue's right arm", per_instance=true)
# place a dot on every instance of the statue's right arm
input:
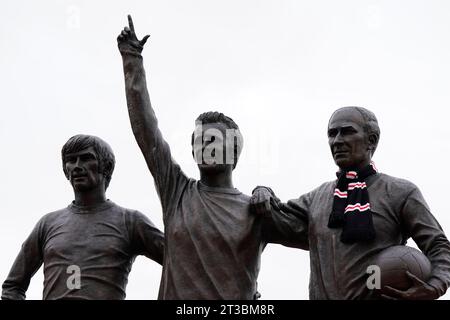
(27, 263)
(167, 174)
(142, 116)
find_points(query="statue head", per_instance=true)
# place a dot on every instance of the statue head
(87, 162)
(353, 136)
(216, 142)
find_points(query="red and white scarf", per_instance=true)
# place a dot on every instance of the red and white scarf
(351, 206)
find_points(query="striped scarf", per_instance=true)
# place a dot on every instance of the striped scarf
(351, 206)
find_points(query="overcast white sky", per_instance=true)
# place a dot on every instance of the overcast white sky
(278, 68)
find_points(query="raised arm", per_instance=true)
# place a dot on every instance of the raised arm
(142, 117)
(166, 172)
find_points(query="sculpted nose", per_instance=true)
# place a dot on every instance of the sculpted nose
(338, 139)
(77, 170)
(77, 166)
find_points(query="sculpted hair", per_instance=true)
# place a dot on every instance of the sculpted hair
(218, 117)
(104, 153)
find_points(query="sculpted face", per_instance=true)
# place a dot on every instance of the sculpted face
(210, 147)
(82, 170)
(349, 143)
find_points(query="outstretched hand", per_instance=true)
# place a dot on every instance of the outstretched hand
(419, 291)
(127, 40)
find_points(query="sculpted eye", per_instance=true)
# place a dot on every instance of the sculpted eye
(87, 157)
(332, 133)
(349, 130)
(70, 159)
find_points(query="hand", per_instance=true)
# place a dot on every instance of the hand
(260, 201)
(419, 291)
(127, 40)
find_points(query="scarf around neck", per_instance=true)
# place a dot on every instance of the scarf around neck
(351, 206)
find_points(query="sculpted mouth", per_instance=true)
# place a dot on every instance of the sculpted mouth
(340, 153)
(78, 177)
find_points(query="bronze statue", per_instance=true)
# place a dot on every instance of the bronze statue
(89, 247)
(213, 243)
(345, 223)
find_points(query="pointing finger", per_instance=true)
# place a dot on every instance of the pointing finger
(130, 23)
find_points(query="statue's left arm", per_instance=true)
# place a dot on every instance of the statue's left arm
(419, 223)
(146, 238)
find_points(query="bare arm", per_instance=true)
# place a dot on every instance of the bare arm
(142, 117)
(169, 179)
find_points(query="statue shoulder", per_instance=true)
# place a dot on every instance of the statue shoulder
(395, 184)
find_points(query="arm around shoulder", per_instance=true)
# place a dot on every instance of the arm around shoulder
(283, 223)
